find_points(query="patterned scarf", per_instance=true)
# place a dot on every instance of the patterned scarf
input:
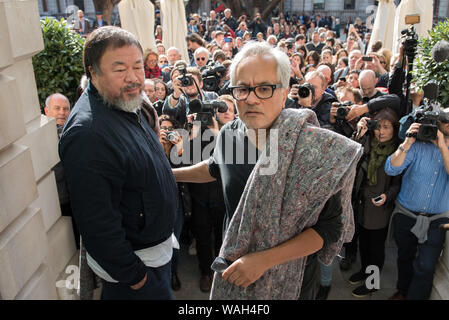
(313, 165)
(378, 154)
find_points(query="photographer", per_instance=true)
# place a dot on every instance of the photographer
(373, 99)
(208, 207)
(421, 207)
(176, 105)
(374, 193)
(257, 25)
(170, 139)
(318, 100)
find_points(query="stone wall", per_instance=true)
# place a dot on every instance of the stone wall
(36, 243)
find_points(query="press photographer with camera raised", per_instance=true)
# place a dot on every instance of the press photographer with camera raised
(187, 86)
(421, 207)
(313, 95)
(374, 192)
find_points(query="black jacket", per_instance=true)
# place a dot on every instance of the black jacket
(323, 109)
(122, 190)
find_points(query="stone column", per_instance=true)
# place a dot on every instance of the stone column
(36, 243)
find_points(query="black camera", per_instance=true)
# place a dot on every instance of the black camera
(410, 40)
(305, 90)
(343, 110)
(212, 76)
(185, 78)
(206, 110)
(372, 124)
(428, 130)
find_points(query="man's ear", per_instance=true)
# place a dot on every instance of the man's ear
(46, 110)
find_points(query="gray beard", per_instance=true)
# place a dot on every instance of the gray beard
(127, 106)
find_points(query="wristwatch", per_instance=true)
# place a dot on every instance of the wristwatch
(401, 148)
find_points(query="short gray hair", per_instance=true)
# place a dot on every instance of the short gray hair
(263, 49)
(199, 50)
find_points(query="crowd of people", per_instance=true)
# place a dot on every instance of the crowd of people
(140, 112)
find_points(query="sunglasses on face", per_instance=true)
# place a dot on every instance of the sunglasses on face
(200, 58)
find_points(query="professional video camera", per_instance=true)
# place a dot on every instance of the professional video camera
(343, 110)
(429, 123)
(206, 110)
(305, 90)
(186, 78)
(212, 76)
(427, 117)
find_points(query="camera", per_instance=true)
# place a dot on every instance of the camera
(185, 78)
(171, 136)
(410, 40)
(206, 110)
(305, 90)
(212, 76)
(372, 124)
(343, 110)
(429, 123)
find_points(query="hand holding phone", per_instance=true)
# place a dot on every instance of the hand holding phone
(380, 200)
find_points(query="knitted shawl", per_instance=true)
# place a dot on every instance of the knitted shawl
(313, 165)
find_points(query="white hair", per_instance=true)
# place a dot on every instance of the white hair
(263, 49)
(199, 50)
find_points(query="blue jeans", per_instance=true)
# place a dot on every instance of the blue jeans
(326, 274)
(417, 262)
(157, 287)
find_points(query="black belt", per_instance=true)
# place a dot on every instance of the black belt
(422, 214)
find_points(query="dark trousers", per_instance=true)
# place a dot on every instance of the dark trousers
(207, 224)
(372, 247)
(157, 287)
(417, 262)
(179, 221)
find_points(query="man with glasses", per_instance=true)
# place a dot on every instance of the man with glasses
(264, 251)
(201, 56)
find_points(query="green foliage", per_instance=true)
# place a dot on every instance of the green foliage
(426, 69)
(59, 67)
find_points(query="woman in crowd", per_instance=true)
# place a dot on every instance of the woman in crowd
(375, 192)
(161, 93)
(313, 58)
(170, 139)
(151, 67)
(158, 33)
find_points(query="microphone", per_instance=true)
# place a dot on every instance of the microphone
(440, 52)
(431, 90)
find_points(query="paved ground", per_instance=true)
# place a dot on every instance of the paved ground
(189, 275)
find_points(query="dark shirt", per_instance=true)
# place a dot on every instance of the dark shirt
(312, 47)
(234, 174)
(122, 190)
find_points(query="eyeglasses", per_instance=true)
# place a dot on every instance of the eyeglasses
(200, 58)
(167, 128)
(264, 91)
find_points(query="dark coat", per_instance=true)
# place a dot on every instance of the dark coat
(122, 190)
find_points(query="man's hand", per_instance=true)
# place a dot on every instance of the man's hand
(414, 128)
(214, 127)
(140, 284)
(356, 111)
(245, 270)
(359, 65)
(306, 102)
(333, 112)
(293, 94)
